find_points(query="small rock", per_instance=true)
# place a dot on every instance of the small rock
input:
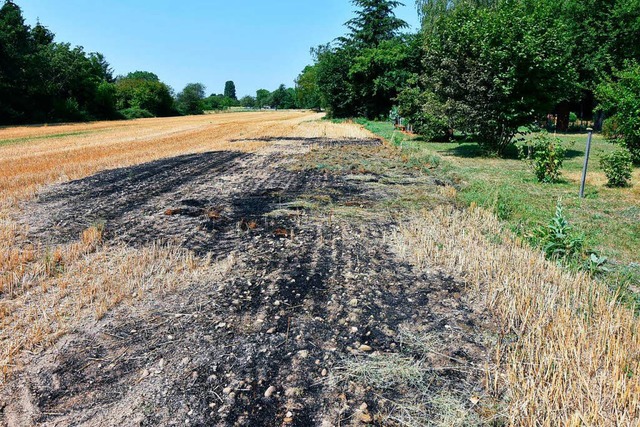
(364, 347)
(303, 354)
(353, 302)
(270, 391)
(289, 414)
(324, 373)
(227, 390)
(271, 331)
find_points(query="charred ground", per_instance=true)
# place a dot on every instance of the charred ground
(313, 287)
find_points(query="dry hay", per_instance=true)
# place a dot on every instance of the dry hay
(569, 354)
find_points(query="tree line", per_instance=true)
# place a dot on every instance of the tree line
(44, 81)
(487, 68)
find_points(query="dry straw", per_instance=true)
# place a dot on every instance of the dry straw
(569, 354)
(46, 291)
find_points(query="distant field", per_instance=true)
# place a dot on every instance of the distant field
(31, 156)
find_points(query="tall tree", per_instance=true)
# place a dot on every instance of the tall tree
(307, 90)
(190, 100)
(365, 70)
(16, 50)
(375, 22)
(263, 98)
(230, 90)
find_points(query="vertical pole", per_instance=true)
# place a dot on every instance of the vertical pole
(586, 162)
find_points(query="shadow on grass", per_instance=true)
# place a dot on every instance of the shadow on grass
(473, 150)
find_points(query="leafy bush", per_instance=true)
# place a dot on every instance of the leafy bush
(573, 117)
(69, 110)
(424, 112)
(558, 240)
(620, 98)
(142, 90)
(546, 155)
(136, 113)
(617, 167)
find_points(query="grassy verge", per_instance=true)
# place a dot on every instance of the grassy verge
(608, 218)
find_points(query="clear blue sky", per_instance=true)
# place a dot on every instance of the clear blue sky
(256, 43)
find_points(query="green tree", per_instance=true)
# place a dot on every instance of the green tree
(366, 69)
(230, 90)
(307, 90)
(375, 22)
(248, 101)
(143, 75)
(142, 90)
(620, 99)
(41, 80)
(16, 48)
(497, 69)
(263, 98)
(190, 100)
(279, 97)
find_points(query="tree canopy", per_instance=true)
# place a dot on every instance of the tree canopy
(230, 90)
(361, 73)
(191, 99)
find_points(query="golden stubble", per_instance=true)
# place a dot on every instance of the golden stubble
(46, 290)
(568, 354)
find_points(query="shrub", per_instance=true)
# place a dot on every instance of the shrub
(69, 110)
(425, 113)
(136, 113)
(573, 117)
(617, 167)
(546, 155)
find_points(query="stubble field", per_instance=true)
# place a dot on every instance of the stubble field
(275, 269)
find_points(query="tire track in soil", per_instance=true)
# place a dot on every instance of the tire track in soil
(282, 315)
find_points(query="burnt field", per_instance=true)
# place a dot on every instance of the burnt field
(300, 312)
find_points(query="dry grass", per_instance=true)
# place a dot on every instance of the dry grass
(84, 149)
(45, 291)
(408, 380)
(569, 354)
